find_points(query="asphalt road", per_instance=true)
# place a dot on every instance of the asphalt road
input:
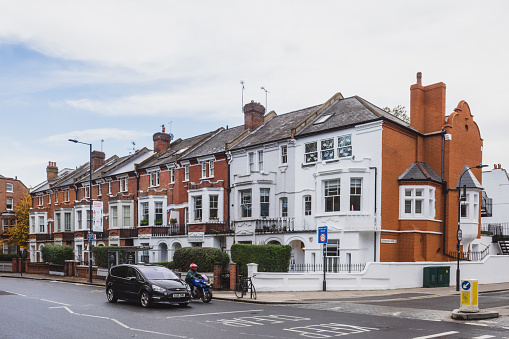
(50, 309)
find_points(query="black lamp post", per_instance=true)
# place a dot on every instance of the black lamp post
(90, 211)
(459, 233)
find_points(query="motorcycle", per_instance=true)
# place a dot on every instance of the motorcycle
(201, 288)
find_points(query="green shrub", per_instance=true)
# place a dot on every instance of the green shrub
(270, 258)
(57, 254)
(7, 257)
(204, 257)
(100, 255)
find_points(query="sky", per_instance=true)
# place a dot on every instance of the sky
(119, 70)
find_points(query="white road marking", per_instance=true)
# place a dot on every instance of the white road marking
(17, 293)
(257, 320)
(437, 335)
(54, 302)
(198, 315)
(328, 330)
(120, 323)
(484, 337)
(476, 324)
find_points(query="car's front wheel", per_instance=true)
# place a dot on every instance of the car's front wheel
(111, 295)
(145, 299)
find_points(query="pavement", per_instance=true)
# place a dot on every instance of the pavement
(300, 297)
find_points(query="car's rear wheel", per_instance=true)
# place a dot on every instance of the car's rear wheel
(145, 299)
(111, 295)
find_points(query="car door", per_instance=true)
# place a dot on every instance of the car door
(118, 284)
(133, 283)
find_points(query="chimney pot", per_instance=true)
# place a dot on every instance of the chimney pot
(419, 78)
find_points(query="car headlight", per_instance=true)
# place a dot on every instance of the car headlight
(158, 289)
(188, 288)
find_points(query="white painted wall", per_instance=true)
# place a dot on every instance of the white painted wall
(496, 185)
(383, 276)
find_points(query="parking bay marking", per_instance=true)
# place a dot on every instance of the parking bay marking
(207, 314)
(257, 320)
(329, 330)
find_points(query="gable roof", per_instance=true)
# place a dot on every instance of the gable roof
(216, 143)
(277, 128)
(468, 178)
(420, 171)
(348, 112)
(176, 150)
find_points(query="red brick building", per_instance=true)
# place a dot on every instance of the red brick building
(11, 191)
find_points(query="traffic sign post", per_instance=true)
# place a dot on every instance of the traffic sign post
(322, 239)
(469, 296)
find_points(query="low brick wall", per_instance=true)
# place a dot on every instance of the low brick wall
(82, 271)
(37, 268)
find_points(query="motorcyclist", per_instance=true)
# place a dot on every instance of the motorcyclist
(191, 275)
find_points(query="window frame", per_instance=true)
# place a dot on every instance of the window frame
(264, 202)
(332, 197)
(284, 154)
(327, 150)
(214, 206)
(246, 203)
(283, 203)
(308, 153)
(419, 204)
(348, 147)
(7, 185)
(307, 205)
(9, 204)
(355, 193)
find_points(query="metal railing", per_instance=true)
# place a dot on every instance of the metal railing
(275, 225)
(217, 228)
(169, 230)
(128, 232)
(306, 268)
(470, 256)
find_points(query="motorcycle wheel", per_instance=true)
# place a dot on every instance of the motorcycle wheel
(207, 296)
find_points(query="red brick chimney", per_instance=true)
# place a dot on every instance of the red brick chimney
(253, 115)
(427, 106)
(162, 141)
(51, 171)
(97, 159)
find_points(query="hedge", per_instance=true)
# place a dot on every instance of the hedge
(204, 257)
(7, 257)
(270, 258)
(100, 255)
(57, 254)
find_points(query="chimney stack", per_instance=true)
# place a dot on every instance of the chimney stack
(162, 141)
(51, 171)
(98, 159)
(427, 106)
(253, 115)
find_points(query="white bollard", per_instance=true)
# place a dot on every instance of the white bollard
(252, 269)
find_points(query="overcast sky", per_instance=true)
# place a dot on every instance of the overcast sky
(118, 70)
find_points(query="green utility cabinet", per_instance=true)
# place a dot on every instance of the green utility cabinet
(437, 276)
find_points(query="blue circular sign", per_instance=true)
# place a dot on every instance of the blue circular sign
(465, 285)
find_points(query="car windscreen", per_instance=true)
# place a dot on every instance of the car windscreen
(157, 273)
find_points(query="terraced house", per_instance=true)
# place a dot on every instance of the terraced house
(11, 191)
(387, 189)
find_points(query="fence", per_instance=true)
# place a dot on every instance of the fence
(497, 229)
(470, 256)
(305, 268)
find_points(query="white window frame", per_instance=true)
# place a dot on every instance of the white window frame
(186, 173)
(283, 204)
(86, 187)
(56, 197)
(99, 190)
(247, 203)
(41, 200)
(150, 213)
(250, 161)
(470, 207)
(214, 206)
(311, 155)
(327, 151)
(172, 175)
(198, 208)
(264, 201)
(345, 146)
(67, 195)
(79, 220)
(154, 178)
(260, 160)
(204, 169)
(284, 154)
(308, 209)
(355, 192)
(9, 188)
(9, 204)
(124, 184)
(333, 196)
(415, 197)
(68, 221)
(211, 168)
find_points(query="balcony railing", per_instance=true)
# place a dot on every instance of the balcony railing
(275, 225)
(128, 233)
(217, 228)
(172, 229)
(43, 236)
(206, 184)
(499, 231)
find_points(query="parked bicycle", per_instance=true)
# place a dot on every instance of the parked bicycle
(245, 286)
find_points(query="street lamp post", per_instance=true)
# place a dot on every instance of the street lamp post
(90, 210)
(459, 234)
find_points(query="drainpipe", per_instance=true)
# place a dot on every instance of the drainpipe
(376, 179)
(445, 192)
(228, 191)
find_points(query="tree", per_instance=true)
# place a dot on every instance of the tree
(399, 112)
(18, 234)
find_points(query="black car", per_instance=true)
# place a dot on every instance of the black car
(146, 284)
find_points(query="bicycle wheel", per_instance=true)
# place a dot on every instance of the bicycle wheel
(253, 291)
(239, 290)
